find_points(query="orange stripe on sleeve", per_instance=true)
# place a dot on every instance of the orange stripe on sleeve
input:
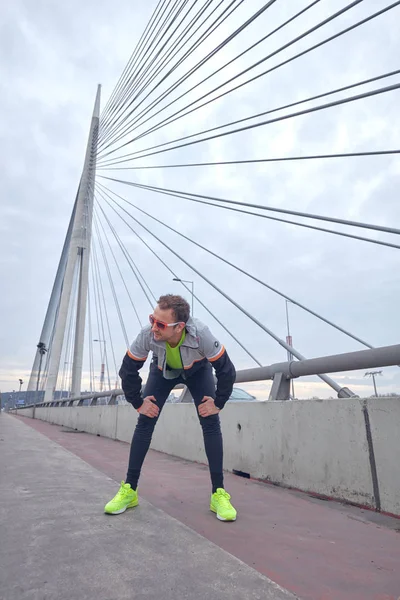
(129, 353)
(218, 355)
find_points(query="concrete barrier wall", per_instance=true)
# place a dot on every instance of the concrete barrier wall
(314, 446)
(384, 415)
(318, 446)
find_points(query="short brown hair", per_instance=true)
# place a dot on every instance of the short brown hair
(179, 306)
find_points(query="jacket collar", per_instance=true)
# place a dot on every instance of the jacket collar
(191, 339)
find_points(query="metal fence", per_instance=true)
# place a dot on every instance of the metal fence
(280, 373)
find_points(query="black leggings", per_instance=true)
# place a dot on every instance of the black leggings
(200, 384)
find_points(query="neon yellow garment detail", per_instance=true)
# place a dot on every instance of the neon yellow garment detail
(173, 354)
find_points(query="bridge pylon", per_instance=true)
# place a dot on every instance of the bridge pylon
(77, 252)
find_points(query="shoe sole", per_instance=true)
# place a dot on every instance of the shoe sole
(119, 512)
(222, 518)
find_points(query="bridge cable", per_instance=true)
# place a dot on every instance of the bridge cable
(163, 63)
(287, 221)
(281, 342)
(148, 55)
(68, 346)
(245, 272)
(187, 196)
(91, 361)
(187, 288)
(102, 305)
(117, 306)
(118, 267)
(129, 260)
(73, 318)
(93, 286)
(70, 353)
(256, 161)
(126, 73)
(255, 116)
(142, 55)
(306, 111)
(178, 114)
(147, 77)
(211, 54)
(133, 88)
(65, 364)
(131, 263)
(193, 70)
(132, 266)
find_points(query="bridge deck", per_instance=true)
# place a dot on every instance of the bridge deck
(57, 543)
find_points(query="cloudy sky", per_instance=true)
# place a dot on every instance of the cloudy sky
(52, 57)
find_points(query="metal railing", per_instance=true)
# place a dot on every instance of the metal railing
(281, 374)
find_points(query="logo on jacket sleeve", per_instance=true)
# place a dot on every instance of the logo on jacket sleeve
(216, 344)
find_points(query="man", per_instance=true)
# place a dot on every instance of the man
(183, 351)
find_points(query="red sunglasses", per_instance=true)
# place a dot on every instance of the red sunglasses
(160, 324)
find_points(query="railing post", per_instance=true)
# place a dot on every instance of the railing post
(113, 400)
(186, 396)
(280, 389)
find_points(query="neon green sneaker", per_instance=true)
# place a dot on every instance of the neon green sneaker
(220, 504)
(125, 498)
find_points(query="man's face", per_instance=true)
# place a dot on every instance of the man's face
(168, 333)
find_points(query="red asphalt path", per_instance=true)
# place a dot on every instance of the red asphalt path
(318, 550)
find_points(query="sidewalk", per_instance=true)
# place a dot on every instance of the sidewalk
(57, 544)
(318, 550)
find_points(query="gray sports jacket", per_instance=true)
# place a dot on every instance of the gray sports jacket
(198, 347)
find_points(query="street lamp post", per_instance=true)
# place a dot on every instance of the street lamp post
(289, 341)
(19, 391)
(42, 351)
(192, 284)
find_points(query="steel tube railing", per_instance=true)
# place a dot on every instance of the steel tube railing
(385, 356)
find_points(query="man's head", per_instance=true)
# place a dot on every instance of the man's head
(169, 318)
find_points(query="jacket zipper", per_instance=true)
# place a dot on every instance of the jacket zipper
(180, 356)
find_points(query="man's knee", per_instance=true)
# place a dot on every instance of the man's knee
(145, 422)
(210, 424)
(145, 426)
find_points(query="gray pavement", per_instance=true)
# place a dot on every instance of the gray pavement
(56, 542)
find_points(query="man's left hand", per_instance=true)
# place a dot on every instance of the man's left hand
(207, 407)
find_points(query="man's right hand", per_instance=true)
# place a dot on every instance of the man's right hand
(149, 408)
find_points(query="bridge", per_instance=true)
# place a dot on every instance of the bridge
(312, 459)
